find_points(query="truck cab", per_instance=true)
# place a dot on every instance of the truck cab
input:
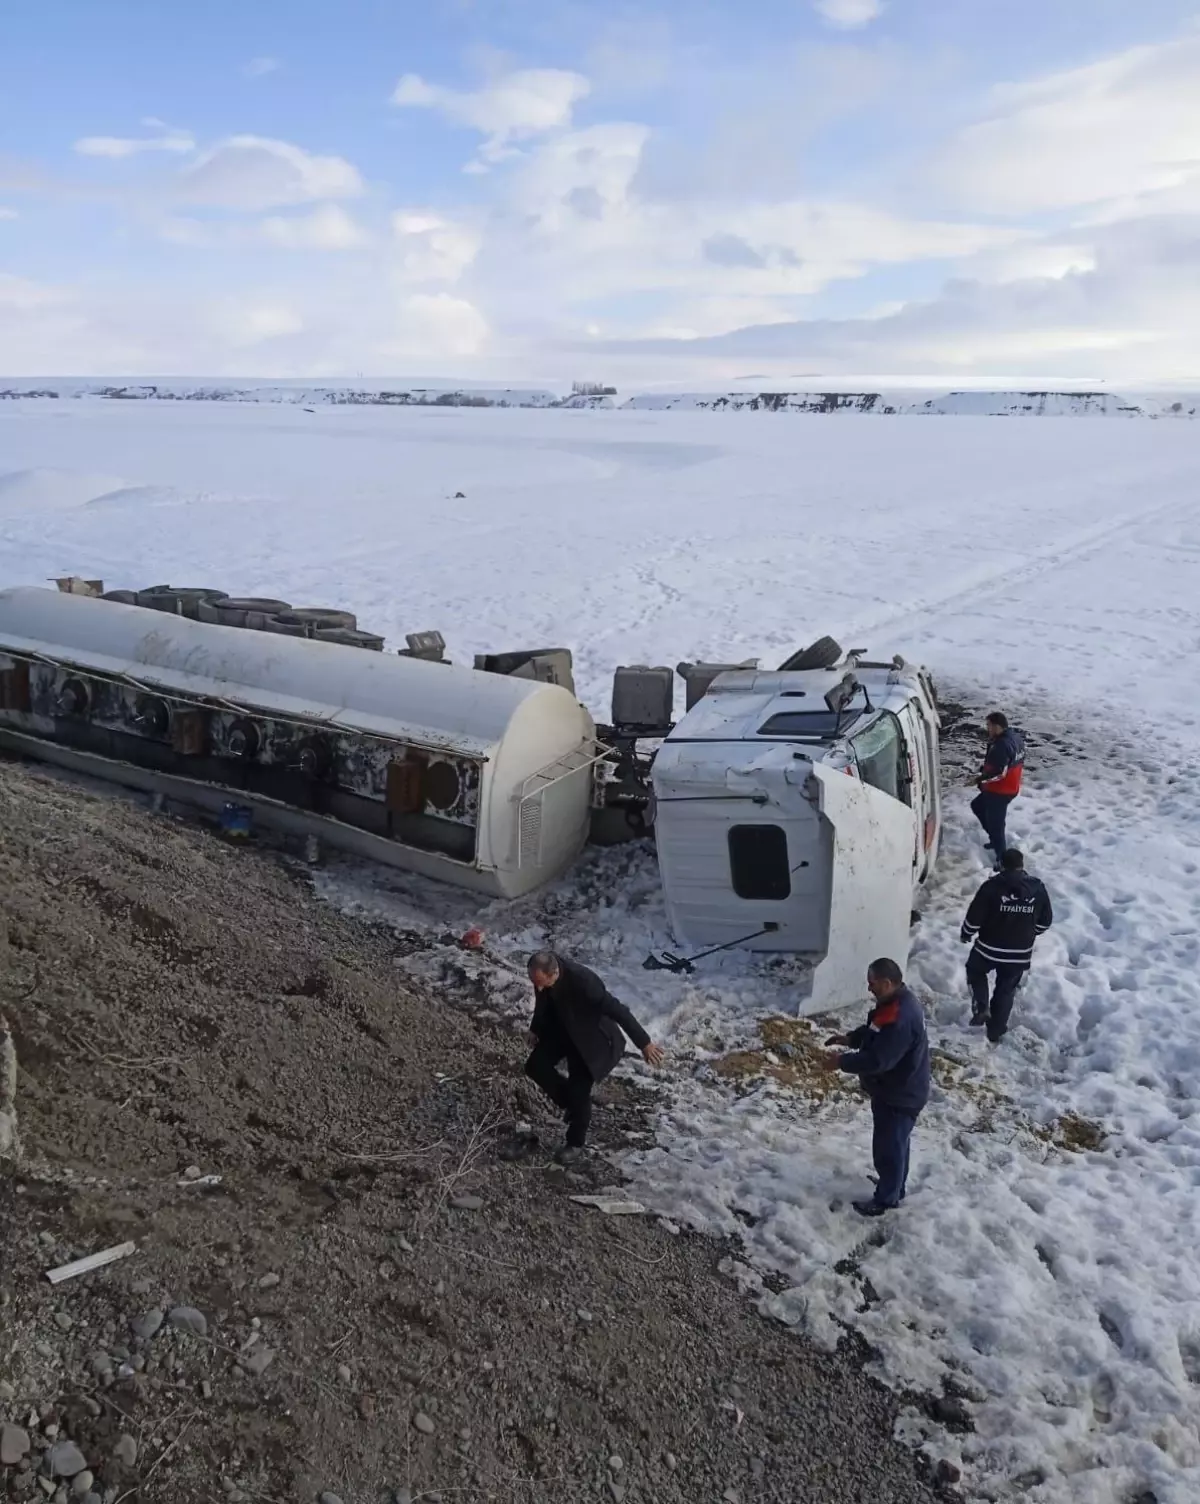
(799, 811)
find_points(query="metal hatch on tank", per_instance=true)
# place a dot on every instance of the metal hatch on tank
(479, 779)
(799, 811)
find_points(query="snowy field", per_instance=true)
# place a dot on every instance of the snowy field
(1045, 566)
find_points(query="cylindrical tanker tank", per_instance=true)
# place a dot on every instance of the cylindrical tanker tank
(477, 779)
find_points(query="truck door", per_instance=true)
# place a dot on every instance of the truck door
(886, 761)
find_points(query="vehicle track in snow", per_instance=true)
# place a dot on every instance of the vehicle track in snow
(1057, 554)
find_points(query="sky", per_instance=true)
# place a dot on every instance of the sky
(671, 193)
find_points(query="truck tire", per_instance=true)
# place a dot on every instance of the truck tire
(823, 653)
(316, 617)
(350, 637)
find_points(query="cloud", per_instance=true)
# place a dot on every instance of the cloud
(432, 248)
(326, 228)
(1126, 126)
(848, 15)
(575, 223)
(578, 175)
(259, 67)
(1134, 315)
(431, 326)
(243, 324)
(252, 173)
(125, 146)
(512, 107)
(8, 213)
(727, 249)
(1063, 227)
(24, 296)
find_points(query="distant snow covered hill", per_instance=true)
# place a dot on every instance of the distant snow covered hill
(296, 396)
(996, 404)
(973, 404)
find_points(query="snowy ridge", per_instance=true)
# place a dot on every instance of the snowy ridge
(295, 396)
(994, 404)
(973, 404)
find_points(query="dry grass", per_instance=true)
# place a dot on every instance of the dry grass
(792, 1054)
(1075, 1134)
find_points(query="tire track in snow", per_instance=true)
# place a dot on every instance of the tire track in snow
(1038, 562)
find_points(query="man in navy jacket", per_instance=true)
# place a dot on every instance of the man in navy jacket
(890, 1054)
(999, 781)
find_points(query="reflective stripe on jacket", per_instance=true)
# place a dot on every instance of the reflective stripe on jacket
(1005, 918)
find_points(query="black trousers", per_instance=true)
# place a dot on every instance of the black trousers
(891, 1138)
(572, 1093)
(991, 810)
(996, 1008)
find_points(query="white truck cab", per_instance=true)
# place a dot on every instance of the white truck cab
(799, 811)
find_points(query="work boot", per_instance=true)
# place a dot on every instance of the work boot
(869, 1208)
(569, 1154)
(978, 1019)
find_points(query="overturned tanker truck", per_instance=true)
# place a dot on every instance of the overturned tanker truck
(793, 811)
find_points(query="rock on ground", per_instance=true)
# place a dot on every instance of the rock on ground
(179, 1001)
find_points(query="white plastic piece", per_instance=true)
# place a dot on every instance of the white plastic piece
(90, 1262)
(611, 1206)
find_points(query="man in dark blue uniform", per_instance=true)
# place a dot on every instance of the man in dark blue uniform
(1002, 925)
(577, 1020)
(890, 1055)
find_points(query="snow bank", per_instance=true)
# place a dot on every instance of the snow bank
(49, 489)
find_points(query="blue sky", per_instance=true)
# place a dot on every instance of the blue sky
(529, 189)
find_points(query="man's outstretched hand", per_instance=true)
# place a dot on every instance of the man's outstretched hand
(653, 1054)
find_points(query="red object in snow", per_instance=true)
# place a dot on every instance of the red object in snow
(472, 940)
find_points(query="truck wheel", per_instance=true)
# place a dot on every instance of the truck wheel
(823, 653)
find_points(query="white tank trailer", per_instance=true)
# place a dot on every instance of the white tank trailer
(482, 780)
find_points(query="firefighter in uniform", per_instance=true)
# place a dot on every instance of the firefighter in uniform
(1006, 916)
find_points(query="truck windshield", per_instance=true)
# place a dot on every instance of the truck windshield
(813, 725)
(879, 751)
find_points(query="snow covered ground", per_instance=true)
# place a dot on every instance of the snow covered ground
(1045, 567)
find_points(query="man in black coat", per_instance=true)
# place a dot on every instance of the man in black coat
(577, 1019)
(1006, 916)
